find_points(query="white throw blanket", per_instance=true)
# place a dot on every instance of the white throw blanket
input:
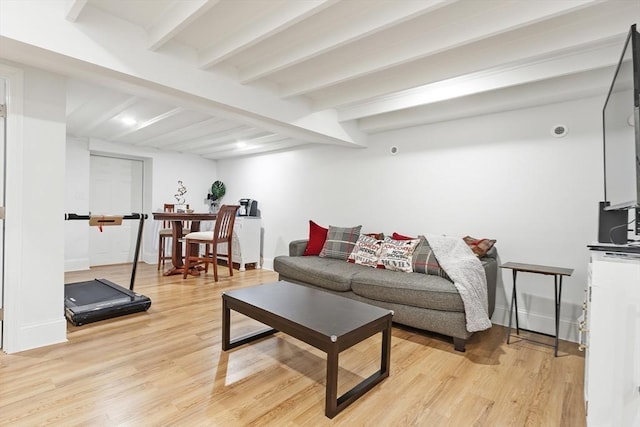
(466, 271)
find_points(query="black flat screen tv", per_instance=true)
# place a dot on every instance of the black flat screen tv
(621, 130)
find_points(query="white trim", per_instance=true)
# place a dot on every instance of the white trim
(41, 334)
(13, 223)
(76, 264)
(537, 322)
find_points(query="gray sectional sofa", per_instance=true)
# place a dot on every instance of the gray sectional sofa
(423, 301)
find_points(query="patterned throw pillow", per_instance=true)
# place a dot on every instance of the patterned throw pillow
(397, 254)
(480, 247)
(424, 260)
(379, 236)
(366, 251)
(340, 242)
(317, 237)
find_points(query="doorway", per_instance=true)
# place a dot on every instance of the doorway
(116, 188)
(3, 114)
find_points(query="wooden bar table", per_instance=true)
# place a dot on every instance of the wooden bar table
(177, 219)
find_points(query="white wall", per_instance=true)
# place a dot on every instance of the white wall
(501, 176)
(162, 172)
(34, 226)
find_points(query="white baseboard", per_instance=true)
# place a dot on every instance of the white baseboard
(537, 322)
(267, 263)
(150, 257)
(40, 335)
(77, 264)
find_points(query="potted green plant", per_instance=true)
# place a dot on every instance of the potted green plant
(218, 190)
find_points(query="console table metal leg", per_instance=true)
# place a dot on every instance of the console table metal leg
(558, 297)
(514, 302)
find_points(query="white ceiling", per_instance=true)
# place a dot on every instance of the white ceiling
(201, 76)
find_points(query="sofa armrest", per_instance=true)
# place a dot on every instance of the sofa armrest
(297, 247)
(492, 253)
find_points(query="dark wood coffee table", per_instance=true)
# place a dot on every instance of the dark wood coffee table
(328, 322)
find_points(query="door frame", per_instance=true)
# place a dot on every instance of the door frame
(3, 145)
(12, 276)
(147, 191)
(143, 191)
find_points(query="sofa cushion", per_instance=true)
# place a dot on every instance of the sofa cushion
(413, 289)
(366, 251)
(326, 273)
(424, 260)
(317, 237)
(397, 254)
(340, 242)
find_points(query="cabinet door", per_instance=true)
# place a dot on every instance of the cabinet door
(614, 345)
(246, 242)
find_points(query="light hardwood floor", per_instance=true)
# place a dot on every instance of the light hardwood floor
(165, 367)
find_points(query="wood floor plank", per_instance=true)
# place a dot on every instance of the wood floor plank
(166, 367)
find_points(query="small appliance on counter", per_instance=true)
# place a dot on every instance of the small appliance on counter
(248, 207)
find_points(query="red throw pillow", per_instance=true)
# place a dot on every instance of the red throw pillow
(396, 236)
(317, 237)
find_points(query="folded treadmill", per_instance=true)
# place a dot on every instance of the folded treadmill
(100, 299)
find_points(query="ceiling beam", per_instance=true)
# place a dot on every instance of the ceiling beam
(235, 152)
(177, 17)
(468, 23)
(229, 136)
(223, 127)
(253, 143)
(544, 92)
(373, 21)
(108, 114)
(171, 136)
(74, 9)
(85, 52)
(563, 35)
(530, 70)
(147, 123)
(288, 15)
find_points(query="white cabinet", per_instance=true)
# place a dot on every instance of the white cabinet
(247, 233)
(612, 363)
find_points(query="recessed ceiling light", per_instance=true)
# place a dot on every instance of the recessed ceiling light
(128, 121)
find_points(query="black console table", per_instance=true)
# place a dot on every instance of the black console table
(558, 273)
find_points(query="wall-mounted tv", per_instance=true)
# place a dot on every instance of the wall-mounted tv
(621, 130)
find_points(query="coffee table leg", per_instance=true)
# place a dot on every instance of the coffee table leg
(227, 342)
(335, 404)
(331, 404)
(385, 361)
(226, 327)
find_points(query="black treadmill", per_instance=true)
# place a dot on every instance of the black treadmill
(100, 299)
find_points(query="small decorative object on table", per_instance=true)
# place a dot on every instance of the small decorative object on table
(180, 200)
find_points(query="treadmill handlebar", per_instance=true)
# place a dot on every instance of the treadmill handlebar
(73, 216)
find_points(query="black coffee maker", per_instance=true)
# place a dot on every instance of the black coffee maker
(248, 207)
